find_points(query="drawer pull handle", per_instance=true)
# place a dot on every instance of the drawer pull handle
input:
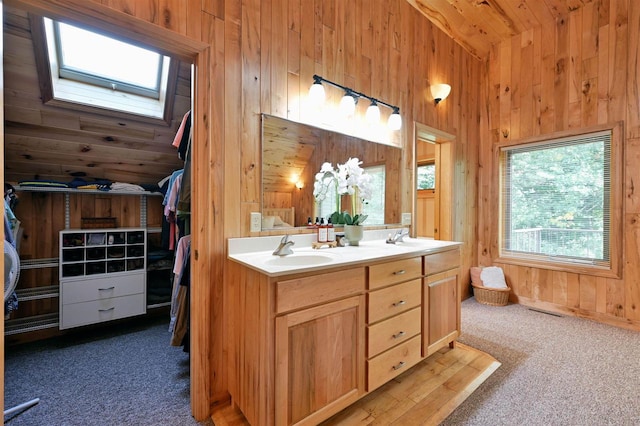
(107, 310)
(400, 272)
(106, 289)
(399, 366)
(398, 334)
(399, 303)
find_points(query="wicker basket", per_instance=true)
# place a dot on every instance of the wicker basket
(98, 222)
(491, 296)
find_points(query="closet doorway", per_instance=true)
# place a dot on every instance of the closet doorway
(93, 15)
(434, 198)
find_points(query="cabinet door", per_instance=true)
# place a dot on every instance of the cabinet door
(319, 361)
(442, 318)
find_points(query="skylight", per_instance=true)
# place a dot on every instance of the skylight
(97, 71)
(93, 58)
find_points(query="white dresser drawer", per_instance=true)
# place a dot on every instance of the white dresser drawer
(89, 289)
(77, 314)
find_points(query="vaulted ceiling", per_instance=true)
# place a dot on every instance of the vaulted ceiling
(478, 24)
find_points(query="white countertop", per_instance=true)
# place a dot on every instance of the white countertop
(257, 252)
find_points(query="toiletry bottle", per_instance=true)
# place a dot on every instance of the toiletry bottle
(322, 232)
(331, 232)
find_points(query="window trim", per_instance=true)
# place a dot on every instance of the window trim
(45, 80)
(615, 267)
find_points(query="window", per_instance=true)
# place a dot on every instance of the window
(374, 208)
(95, 59)
(88, 70)
(427, 176)
(556, 200)
(326, 207)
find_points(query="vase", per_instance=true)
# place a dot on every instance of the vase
(353, 234)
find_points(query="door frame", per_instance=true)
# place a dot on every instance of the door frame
(197, 53)
(444, 198)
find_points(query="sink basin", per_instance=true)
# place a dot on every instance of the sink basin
(299, 260)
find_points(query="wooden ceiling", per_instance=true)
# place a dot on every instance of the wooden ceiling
(55, 143)
(479, 24)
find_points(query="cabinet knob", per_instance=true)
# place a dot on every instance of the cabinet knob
(400, 272)
(398, 334)
(399, 303)
(399, 366)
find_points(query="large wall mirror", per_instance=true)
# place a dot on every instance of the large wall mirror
(292, 154)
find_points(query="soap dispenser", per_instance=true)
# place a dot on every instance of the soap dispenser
(331, 232)
(322, 232)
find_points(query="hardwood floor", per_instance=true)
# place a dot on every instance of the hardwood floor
(424, 395)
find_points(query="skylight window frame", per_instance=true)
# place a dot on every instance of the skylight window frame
(69, 72)
(54, 92)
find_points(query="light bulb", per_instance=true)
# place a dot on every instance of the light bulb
(395, 120)
(316, 93)
(347, 105)
(373, 113)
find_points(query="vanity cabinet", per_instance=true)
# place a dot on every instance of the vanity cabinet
(305, 345)
(441, 295)
(319, 345)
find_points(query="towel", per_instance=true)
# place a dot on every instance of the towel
(493, 277)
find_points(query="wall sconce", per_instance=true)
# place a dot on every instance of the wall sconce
(440, 92)
(299, 184)
(350, 99)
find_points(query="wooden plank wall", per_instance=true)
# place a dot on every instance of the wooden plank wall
(575, 72)
(262, 56)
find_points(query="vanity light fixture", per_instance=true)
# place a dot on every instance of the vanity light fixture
(316, 91)
(395, 121)
(440, 92)
(348, 103)
(373, 113)
(350, 99)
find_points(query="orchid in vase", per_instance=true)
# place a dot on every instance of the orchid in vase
(348, 179)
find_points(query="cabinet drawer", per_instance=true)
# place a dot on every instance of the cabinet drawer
(439, 262)
(89, 289)
(393, 300)
(395, 361)
(395, 330)
(77, 314)
(308, 291)
(387, 273)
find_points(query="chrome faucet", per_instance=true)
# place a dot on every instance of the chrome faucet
(284, 248)
(398, 237)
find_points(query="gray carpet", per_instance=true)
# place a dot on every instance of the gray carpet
(122, 374)
(555, 370)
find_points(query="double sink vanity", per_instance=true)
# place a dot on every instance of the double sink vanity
(314, 331)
